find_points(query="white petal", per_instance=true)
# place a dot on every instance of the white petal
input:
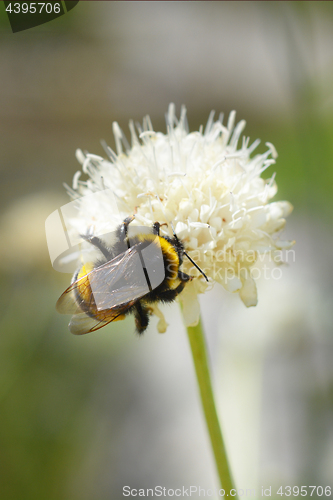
(275, 226)
(284, 244)
(181, 229)
(233, 284)
(248, 292)
(286, 208)
(204, 213)
(162, 324)
(216, 222)
(258, 217)
(80, 156)
(280, 209)
(273, 150)
(190, 305)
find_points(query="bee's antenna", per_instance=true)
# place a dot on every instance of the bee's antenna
(189, 258)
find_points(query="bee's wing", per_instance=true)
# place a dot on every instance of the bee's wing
(81, 323)
(119, 281)
(67, 303)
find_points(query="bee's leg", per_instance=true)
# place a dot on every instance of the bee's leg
(184, 277)
(170, 294)
(141, 317)
(123, 228)
(156, 227)
(99, 244)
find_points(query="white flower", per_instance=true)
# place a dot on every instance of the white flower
(201, 183)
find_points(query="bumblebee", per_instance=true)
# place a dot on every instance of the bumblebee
(137, 270)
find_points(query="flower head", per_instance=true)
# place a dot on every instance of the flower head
(204, 185)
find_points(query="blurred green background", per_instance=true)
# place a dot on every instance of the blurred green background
(82, 417)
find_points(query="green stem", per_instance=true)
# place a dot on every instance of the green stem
(199, 353)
